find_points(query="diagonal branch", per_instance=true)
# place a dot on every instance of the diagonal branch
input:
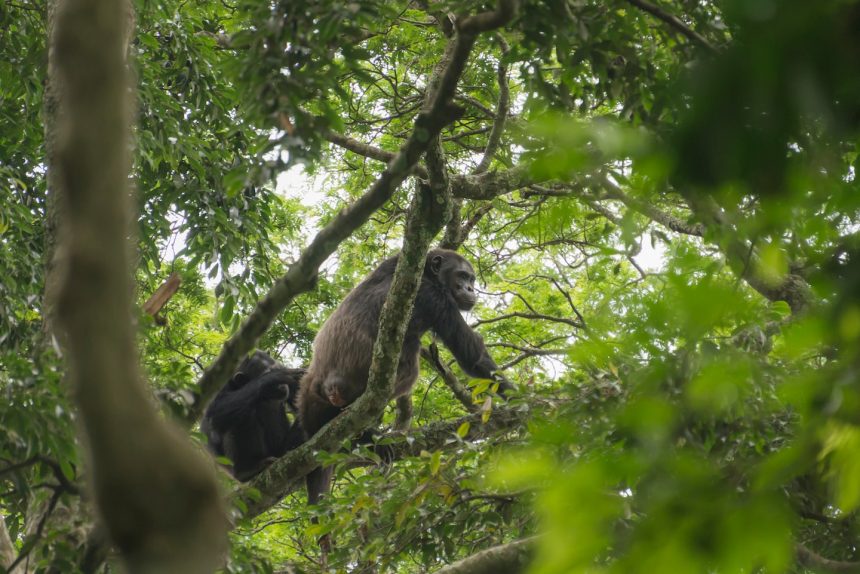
(613, 191)
(431, 355)
(511, 558)
(674, 22)
(439, 435)
(740, 255)
(745, 262)
(456, 232)
(819, 563)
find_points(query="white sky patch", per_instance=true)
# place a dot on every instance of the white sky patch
(176, 242)
(296, 183)
(651, 258)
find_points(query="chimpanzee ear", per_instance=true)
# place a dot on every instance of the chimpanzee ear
(239, 380)
(436, 264)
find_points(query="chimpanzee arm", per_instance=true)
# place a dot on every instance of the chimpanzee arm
(466, 345)
(468, 348)
(230, 406)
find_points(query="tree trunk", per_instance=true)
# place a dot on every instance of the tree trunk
(155, 493)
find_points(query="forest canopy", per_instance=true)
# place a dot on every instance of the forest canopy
(659, 202)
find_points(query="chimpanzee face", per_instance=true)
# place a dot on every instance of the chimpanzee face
(457, 275)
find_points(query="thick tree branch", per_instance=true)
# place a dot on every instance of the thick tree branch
(492, 184)
(470, 27)
(512, 558)
(435, 436)
(675, 23)
(819, 563)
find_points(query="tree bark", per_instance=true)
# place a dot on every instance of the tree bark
(512, 558)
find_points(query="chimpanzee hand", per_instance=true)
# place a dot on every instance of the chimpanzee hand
(273, 386)
(504, 384)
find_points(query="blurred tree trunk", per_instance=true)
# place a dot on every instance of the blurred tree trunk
(155, 493)
(69, 514)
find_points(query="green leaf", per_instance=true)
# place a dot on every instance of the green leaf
(435, 462)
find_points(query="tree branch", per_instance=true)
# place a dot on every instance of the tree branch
(455, 232)
(532, 316)
(512, 558)
(674, 22)
(64, 483)
(743, 260)
(613, 191)
(487, 185)
(819, 563)
(440, 435)
(741, 257)
(460, 391)
(7, 548)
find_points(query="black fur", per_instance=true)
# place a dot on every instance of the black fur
(247, 420)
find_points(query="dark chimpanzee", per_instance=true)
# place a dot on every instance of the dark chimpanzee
(247, 420)
(342, 349)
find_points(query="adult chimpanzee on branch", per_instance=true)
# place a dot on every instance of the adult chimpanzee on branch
(247, 420)
(342, 350)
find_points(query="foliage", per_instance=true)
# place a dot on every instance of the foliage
(672, 277)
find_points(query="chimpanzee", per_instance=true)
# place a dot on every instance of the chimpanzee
(342, 349)
(247, 420)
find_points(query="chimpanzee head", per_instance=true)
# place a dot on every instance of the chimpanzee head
(260, 365)
(256, 364)
(455, 274)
